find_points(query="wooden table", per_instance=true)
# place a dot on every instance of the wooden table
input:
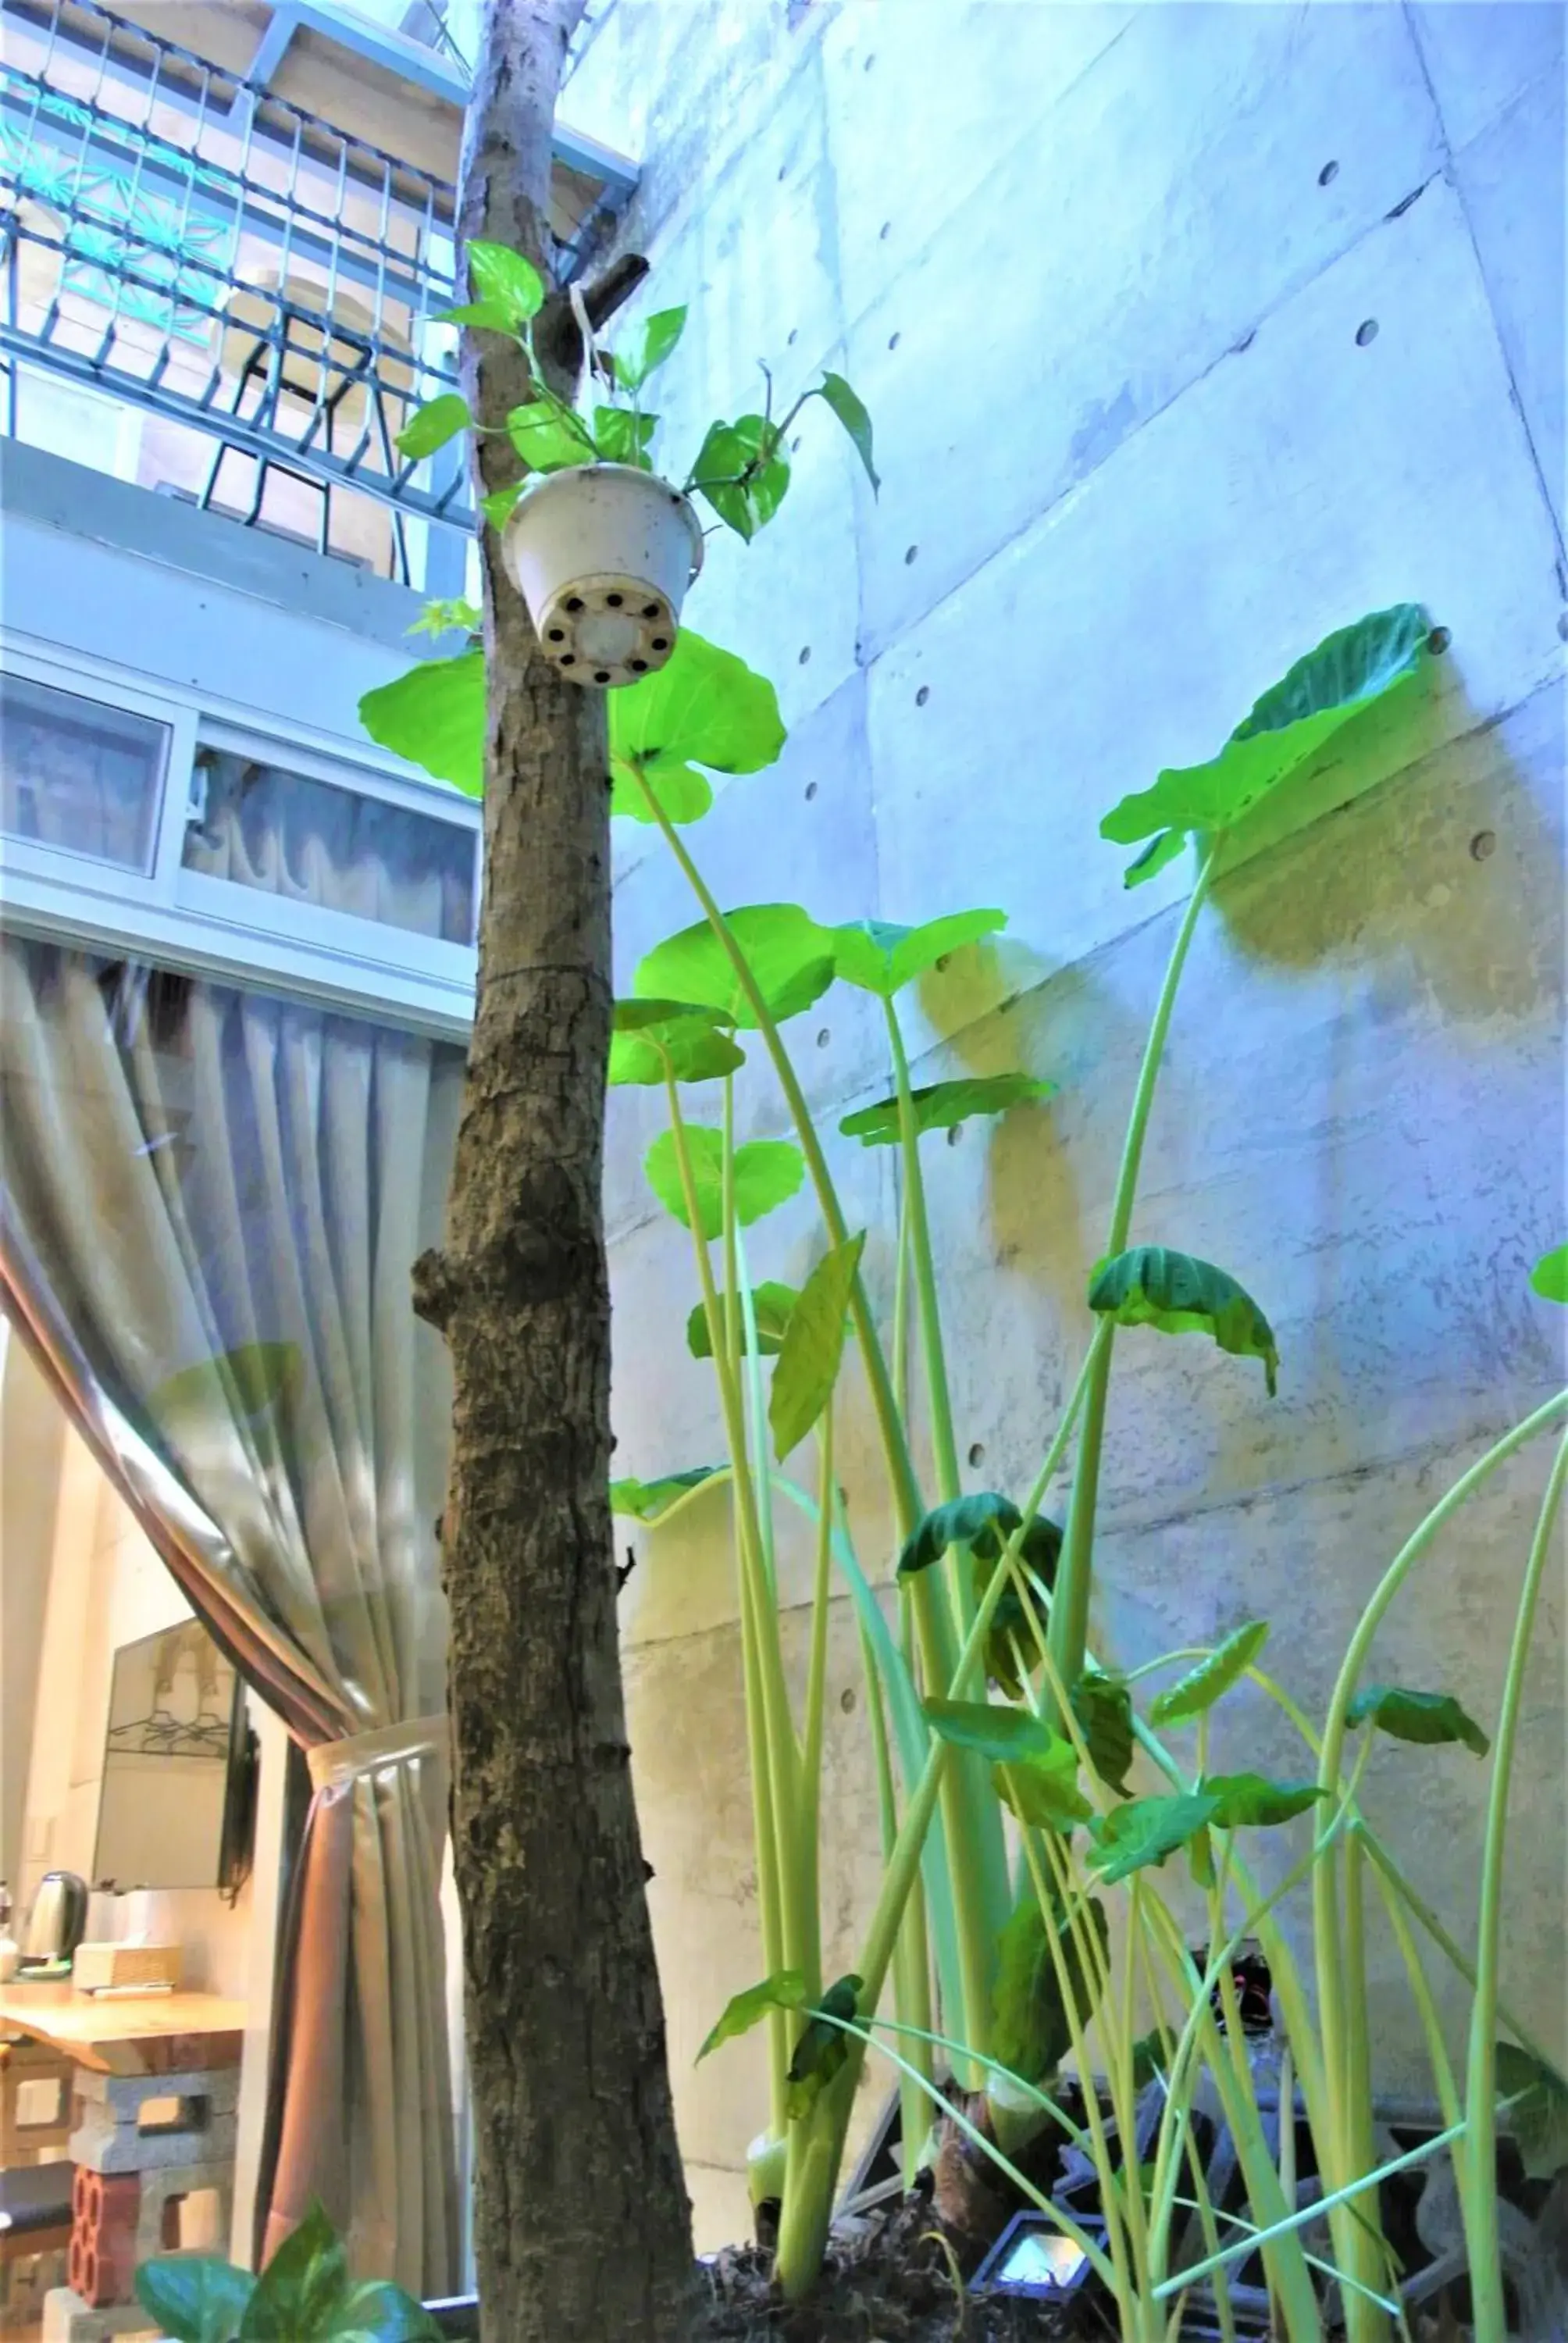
(127, 2034)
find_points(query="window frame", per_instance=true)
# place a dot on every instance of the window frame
(189, 921)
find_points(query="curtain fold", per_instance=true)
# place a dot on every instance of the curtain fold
(212, 1199)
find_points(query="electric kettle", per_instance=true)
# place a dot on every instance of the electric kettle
(58, 1918)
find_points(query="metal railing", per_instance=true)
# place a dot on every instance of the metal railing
(263, 286)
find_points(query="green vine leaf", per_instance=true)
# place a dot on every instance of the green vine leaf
(499, 507)
(823, 2049)
(1549, 1278)
(789, 957)
(1146, 1831)
(786, 1989)
(1250, 1801)
(649, 1501)
(1033, 2032)
(435, 717)
(193, 2297)
(623, 438)
(431, 425)
(655, 1039)
(812, 1349)
(504, 282)
(1427, 1717)
(882, 957)
(940, 1105)
(742, 473)
(1539, 2118)
(658, 336)
(771, 1306)
(246, 1381)
(549, 438)
(1102, 1706)
(1287, 727)
(767, 1172)
(1178, 1294)
(851, 410)
(703, 707)
(1202, 1687)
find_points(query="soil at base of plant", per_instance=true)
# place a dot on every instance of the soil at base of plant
(891, 2283)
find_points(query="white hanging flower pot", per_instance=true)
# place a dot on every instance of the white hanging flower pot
(602, 555)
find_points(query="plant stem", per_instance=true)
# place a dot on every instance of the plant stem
(816, 1695)
(1479, 2197)
(943, 1439)
(1070, 1612)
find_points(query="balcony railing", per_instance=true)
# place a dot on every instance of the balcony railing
(255, 289)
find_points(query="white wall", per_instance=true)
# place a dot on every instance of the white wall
(1103, 273)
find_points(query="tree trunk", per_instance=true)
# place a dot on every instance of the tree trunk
(582, 2222)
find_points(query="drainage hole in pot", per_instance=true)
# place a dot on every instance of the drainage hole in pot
(614, 602)
(601, 674)
(661, 642)
(576, 603)
(652, 610)
(569, 658)
(558, 634)
(638, 667)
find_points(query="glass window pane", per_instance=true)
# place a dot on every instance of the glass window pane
(315, 842)
(79, 776)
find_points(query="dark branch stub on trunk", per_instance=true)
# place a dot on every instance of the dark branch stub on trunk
(582, 2225)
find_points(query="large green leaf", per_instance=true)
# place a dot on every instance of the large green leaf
(654, 1039)
(649, 1501)
(822, 2047)
(1102, 1706)
(980, 1520)
(1032, 2032)
(703, 707)
(195, 2298)
(1146, 1831)
(1246, 1801)
(1539, 2118)
(434, 716)
(656, 337)
(1285, 730)
(1006, 1735)
(1549, 1278)
(379, 2312)
(1178, 1294)
(743, 474)
(882, 958)
(549, 438)
(503, 281)
(1424, 1717)
(940, 1105)
(771, 1304)
(813, 1346)
(767, 1172)
(305, 2294)
(431, 425)
(851, 410)
(790, 959)
(784, 1990)
(1202, 1687)
(1044, 1790)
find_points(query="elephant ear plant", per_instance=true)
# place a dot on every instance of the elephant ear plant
(1013, 1833)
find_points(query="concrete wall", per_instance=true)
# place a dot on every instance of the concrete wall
(1107, 277)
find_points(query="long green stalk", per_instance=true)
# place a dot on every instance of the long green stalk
(1070, 1614)
(1478, 2197)
(1345, 2079)
(943, 1444)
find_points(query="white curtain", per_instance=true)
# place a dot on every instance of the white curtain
(212, 1200)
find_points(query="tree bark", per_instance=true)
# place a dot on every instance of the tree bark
(582, 2222)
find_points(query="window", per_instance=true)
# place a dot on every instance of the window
(191, 833)
(79, 777)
